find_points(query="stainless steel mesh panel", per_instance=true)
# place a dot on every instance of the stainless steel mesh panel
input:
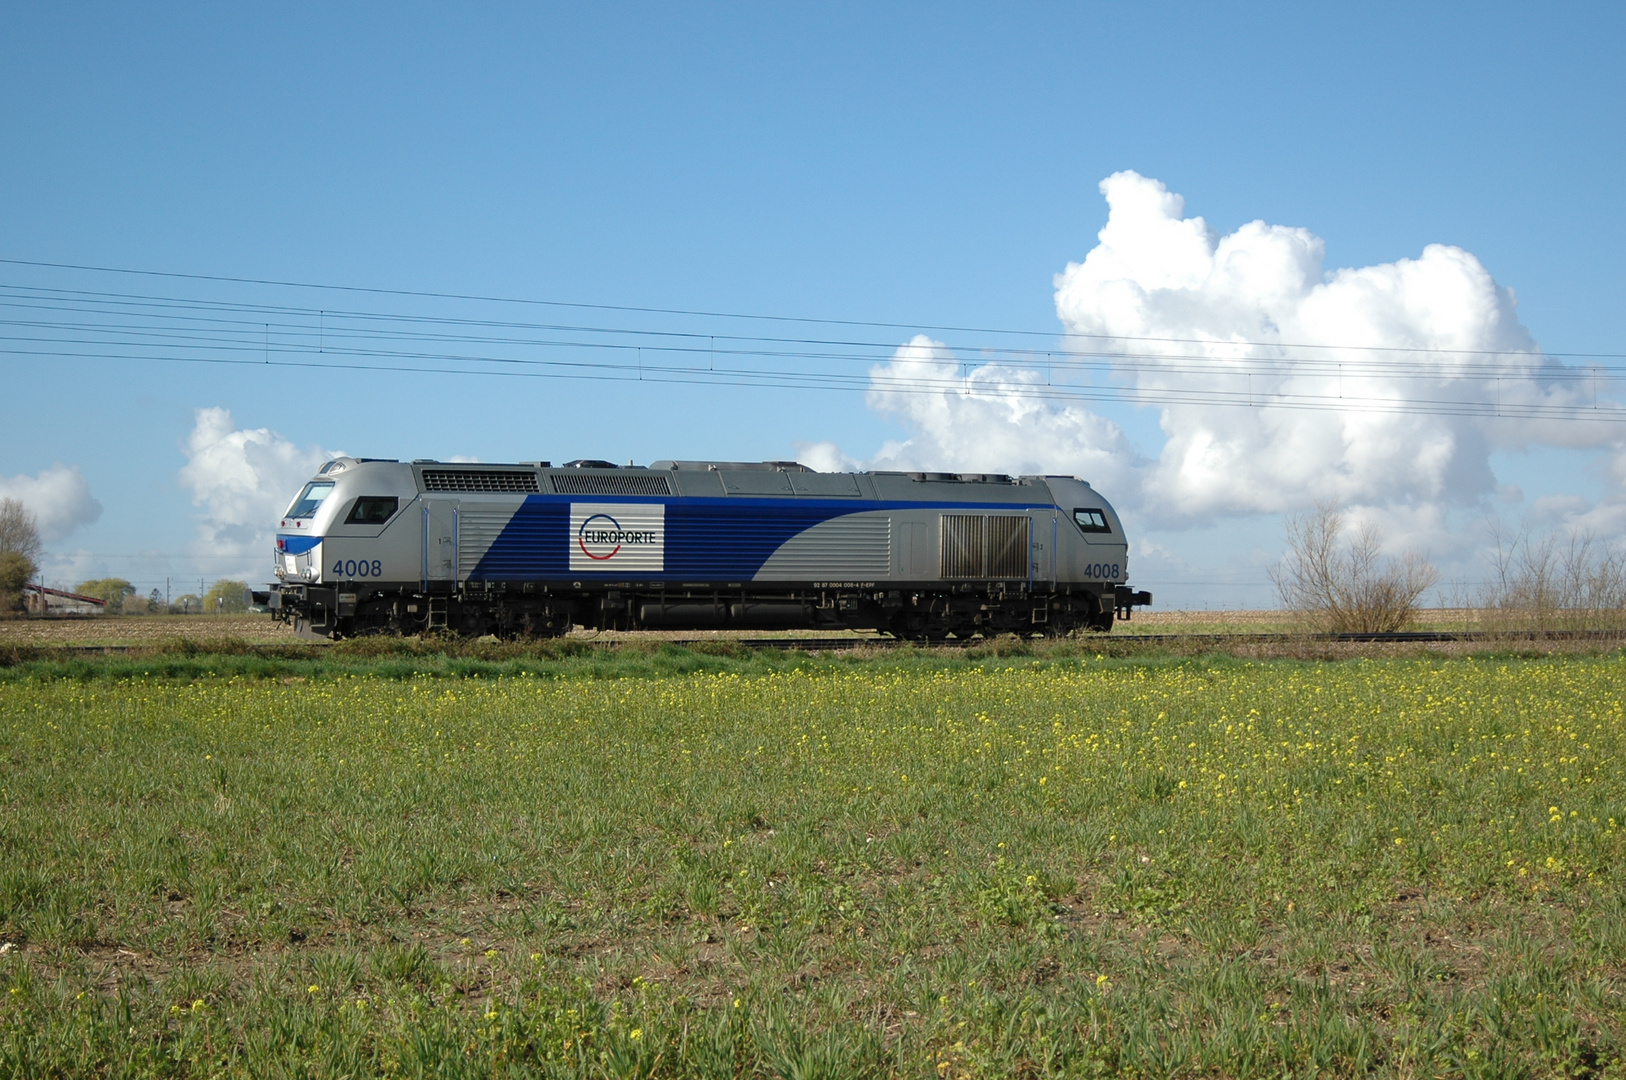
(984, 546)
(1006, 546)
(961, 548)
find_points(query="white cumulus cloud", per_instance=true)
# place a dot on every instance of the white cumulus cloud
(1404, 365)
(58, 497)
(1416, 347)
(987, 419)
(241, 480)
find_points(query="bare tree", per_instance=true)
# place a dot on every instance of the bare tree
(1339, 586)
(1555, 582)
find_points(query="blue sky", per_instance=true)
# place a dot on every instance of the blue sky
(925, 166)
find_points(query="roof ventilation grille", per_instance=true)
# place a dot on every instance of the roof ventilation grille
(479, 480)
(626, 483)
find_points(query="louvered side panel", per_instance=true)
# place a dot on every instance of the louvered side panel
(1008, 546)
(983, 546)
(856, 548)
(478, 527)
(960, 546)
(710, 543)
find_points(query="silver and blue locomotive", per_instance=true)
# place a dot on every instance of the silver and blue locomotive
(531, 549)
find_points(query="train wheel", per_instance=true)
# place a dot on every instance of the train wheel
(1100, 618)
(918, 627)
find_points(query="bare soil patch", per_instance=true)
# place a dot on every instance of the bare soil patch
(143, 630)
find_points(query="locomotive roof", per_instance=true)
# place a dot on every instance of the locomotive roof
(451, 475)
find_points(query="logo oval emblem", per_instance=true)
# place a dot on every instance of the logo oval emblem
(599, 537)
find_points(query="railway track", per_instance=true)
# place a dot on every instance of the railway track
(835, 644)
(1396, 637)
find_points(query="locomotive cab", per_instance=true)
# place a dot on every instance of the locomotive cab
(334, 548)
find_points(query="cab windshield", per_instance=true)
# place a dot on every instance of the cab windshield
(1091, 521)
(310, 498)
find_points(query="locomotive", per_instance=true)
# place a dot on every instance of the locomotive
(529, 549)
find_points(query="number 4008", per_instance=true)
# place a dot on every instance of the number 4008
(354, 568)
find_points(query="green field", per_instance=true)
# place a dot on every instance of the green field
(917, 866)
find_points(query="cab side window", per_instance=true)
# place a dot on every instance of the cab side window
(373, 510)
(1091, 521)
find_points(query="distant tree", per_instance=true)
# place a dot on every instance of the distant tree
(155, 600)
(226, 596)
(19, 532)
(15, 572)
(186, 604)
(112, 589)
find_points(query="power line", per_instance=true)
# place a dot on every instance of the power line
(142, 327)
(295, 336)
(982, 386)
(701, 313)
(315, 326)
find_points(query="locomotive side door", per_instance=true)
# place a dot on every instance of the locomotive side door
(917, 554)
(439, 541)
(1042, 551)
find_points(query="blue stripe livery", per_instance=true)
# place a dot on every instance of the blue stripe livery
(296, 545)
(707, 539)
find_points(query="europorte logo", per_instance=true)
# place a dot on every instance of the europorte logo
(618, 536)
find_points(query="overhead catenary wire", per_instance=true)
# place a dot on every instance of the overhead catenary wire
(701, 313)
(992, 380)
(82, 300)
(294, 335)
(804, 381)
(107, 325)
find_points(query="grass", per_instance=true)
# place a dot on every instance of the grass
(698, 864)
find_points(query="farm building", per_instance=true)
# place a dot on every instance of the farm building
(42, 601)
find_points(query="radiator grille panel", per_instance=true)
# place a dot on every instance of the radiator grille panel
(478, 480)
(623, 484)
(979, 546)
